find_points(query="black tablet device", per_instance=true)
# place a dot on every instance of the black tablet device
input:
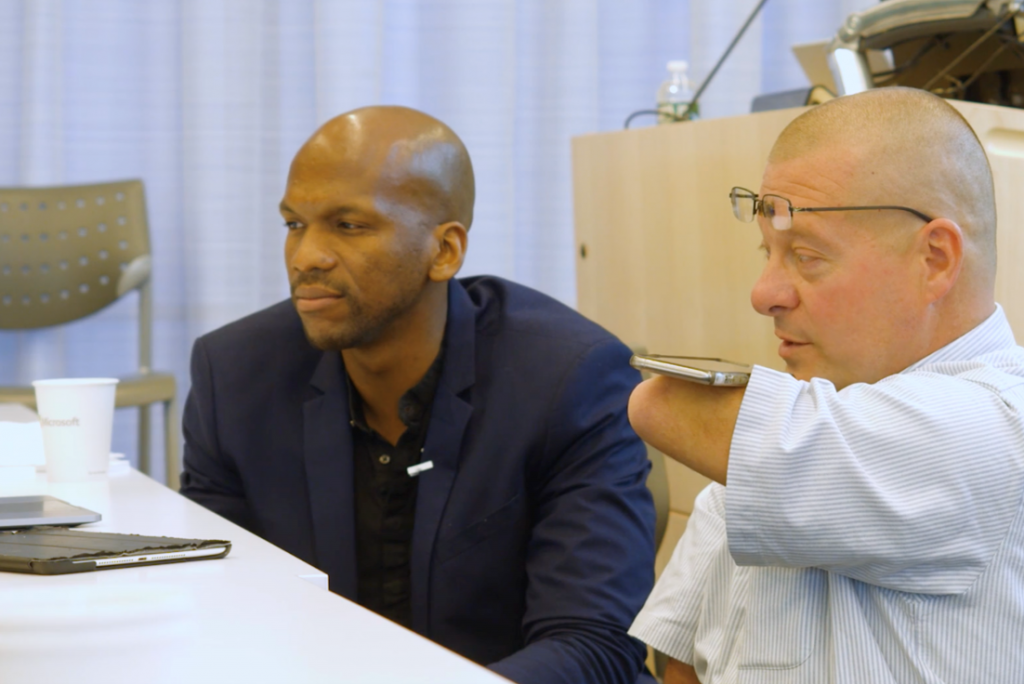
(59, 550)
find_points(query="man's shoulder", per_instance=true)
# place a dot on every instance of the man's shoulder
(274, 331)
(505, 309)
(1000, 371)
(987, 355)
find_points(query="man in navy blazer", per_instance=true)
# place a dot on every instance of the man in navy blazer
(528, 528)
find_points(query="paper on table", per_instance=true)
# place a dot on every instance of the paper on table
(119, 465)
(17, 475)
(21, 437)
(17, 413)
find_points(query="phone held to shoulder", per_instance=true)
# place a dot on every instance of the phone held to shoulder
(702, 370)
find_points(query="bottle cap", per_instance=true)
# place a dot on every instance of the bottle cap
(678, 65)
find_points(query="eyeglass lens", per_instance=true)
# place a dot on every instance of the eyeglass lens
(742, 204)
(778, 210)
(745, 206)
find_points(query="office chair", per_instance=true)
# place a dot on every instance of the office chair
(65, 253)
(657, 483)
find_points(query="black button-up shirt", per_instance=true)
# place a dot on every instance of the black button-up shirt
(385, 498)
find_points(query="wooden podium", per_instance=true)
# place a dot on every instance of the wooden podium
(663, 264)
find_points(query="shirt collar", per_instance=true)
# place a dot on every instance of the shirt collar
(992, 334)
(413, 406)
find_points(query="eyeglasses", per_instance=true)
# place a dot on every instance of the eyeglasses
(779, 210)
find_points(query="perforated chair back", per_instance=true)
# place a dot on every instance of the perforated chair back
(67, 252)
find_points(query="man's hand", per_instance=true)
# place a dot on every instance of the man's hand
(692, 423)
(680, 673)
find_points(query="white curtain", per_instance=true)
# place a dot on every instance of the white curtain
(207, 100)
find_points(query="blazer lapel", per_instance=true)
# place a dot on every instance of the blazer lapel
(449, 416)
(329, 474)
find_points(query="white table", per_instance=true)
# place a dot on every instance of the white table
(259, 615)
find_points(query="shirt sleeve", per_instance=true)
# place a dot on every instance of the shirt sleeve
(669, 619)
(910, 483)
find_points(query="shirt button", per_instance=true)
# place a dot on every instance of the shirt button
(384, 459)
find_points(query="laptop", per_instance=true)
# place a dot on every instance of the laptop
(813, 58)
(29, 511)
(59, 550)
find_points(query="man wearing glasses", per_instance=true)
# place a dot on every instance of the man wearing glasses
(866, 524)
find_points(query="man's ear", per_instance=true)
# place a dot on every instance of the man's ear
(942, 242)
(451, 240)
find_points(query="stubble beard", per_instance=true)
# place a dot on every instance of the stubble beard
(360, 327)
(357, 330)
(366, 322)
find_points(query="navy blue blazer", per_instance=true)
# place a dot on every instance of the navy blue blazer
(533, 545)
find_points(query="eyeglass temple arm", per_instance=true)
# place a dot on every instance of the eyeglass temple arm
(915, 212)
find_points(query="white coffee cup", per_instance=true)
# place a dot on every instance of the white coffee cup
(77, 416)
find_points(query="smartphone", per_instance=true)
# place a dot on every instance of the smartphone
(706, 371)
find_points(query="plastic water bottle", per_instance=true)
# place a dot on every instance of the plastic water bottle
(675, 94)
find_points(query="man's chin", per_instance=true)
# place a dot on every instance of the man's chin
(798, 375)
(337, 337)
(807, 373)
(324, 337)
(803, 371)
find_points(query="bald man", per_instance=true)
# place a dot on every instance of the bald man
(866, 523)
(454, 454)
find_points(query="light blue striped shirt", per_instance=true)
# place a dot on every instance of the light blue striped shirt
(868, 536)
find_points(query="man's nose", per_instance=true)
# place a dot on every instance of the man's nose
(312, 251)
(773, 292)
